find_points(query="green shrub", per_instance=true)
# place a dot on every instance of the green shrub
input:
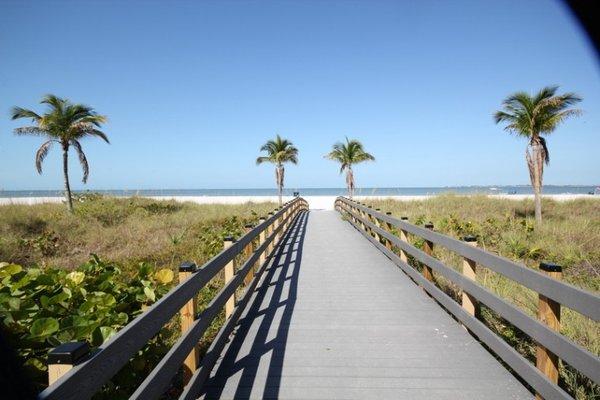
(41, 308)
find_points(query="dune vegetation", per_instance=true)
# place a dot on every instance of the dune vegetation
(84, 275)
(569, 237)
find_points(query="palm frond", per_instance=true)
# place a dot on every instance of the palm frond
(41, 154)
(30, 130)
(82, 160)
(19, 112)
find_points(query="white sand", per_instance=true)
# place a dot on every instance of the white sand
(315, 202)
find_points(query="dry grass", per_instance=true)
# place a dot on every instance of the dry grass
(126, 231)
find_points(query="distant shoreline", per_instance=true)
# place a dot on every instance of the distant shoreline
(316, 202)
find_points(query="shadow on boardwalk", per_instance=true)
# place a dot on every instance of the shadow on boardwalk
(276, 295)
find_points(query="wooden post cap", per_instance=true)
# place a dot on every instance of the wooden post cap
(469, 238)
(429, 225)
(68, 353)
(188, 267)
(228, 239)
(404, 218)
(549, 267)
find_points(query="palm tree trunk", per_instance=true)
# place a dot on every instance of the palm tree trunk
(350, 182)
(66, 176)
(279, 176)
(535, 162)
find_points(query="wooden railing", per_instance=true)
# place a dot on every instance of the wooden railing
(380, 228)
(76, 374)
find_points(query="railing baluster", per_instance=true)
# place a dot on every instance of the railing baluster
(248, 250)
(548, 314)
(428, 249)
(404, 238)
(229, 272)
(62, 358)
(469, 270)
(187, 316)
(389, 228)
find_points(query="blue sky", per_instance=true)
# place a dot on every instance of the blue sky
(192, 89)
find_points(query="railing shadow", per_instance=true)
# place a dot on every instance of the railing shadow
(260, 328)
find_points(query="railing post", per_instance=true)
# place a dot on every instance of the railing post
(248, 250)
(229, 273)
(389, 228)
(261, 239)
(469, 270)
(271, 245)
(187, 316)
(404, 238)
(428, 249)
(377, 224)
(548, 314)
(64, 357)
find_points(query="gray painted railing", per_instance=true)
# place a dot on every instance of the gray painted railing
(370, 223)
(82, 381)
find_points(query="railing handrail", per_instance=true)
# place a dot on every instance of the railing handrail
(86, 378)
(578, 357)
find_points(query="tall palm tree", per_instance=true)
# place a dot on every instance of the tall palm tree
(348, 154)
(64, 123)
(279, 151)
(533, 116)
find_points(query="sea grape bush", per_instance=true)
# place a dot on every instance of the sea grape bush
(41, 308)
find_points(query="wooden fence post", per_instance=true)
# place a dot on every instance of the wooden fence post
(271, 245)
(548, 314)
(229, 273)
(261, 239)
(64, 357)
(389, 228)
(428, 249)
(469, 270)
(404, 238)
(187, 316)
(248, 250)
(377, 224)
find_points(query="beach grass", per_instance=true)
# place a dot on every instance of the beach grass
(123, 230)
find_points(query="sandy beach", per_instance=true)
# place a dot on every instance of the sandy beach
(315, 202)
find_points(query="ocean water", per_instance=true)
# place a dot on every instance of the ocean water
(398, 191)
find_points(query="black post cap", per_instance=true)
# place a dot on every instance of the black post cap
(271, 213)
(550, 267)
(404, 218)
(262, 217)
(429, 225)
(228, 239)
(68, 353)
(188, 266)
(388, 213)
(378, 209)
(249, 226)
(469, 238)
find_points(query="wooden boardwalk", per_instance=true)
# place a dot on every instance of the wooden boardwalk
(332, 317)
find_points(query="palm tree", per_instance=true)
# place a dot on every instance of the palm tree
(279, 151)
(533, 116)
(348, 154)
(64, 123)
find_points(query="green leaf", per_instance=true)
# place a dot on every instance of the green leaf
(164, 276)
(150, 294)
(44, 327)
(75, 277)
(102, 334)
(9, 269)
